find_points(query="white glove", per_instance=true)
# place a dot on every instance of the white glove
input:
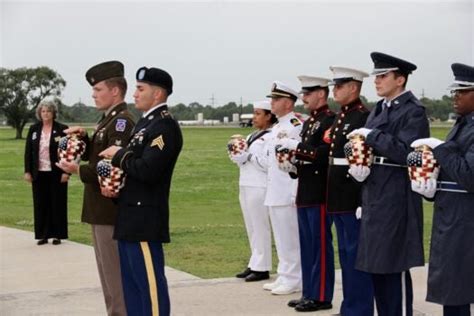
(359, 131)
(240, 158)
(288, 143)
(430, 142)
(426, 188)
(359, 172)
(359, 212)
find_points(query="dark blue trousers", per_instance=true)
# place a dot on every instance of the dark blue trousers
(357, 289)
(393, 293)
(317, 253)
(461, 310)
(143, 278)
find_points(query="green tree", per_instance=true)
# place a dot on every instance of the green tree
(22, 90)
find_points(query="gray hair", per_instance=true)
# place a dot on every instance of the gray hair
(50, 105)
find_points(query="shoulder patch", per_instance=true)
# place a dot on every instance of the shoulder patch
(120, 125)
(295, 122)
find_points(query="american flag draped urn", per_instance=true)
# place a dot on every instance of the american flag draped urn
(110, 177)
(421, 164)
(236, 145)
(285, 159)
(71, 148)
(358, 152)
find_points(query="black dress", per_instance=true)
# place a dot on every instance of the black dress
(49, 194)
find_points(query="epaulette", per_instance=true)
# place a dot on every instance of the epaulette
(295, 122)
(165, 114)
(362, 108)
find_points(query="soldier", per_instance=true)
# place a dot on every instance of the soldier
(344, 192)
(281, 192)
(317, 254)
(451, 270)
(143, 217)
(391, 231)
(252, 188)
(109, 87)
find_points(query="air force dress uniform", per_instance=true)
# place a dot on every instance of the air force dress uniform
(451, 268)
(391, 232)
(280, 198)
(143, 216)
(317, 255)
(344, 198)
(253, 183)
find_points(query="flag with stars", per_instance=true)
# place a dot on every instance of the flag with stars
(421, 164)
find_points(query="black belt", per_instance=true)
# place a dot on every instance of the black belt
(385, 162)
(450, 187)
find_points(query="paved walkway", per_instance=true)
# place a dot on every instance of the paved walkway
(63, 280)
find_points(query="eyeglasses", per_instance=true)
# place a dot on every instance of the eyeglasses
(457, 93)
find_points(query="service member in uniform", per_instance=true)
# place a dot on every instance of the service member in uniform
(281, 194)
(317, 254)
(252, 188)
(143, 217)
(451, 268)
(391, 230)
(109, 87)
(344, 193)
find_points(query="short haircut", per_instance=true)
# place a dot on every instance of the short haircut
(119, 82)
(49, 105)
(401, 74)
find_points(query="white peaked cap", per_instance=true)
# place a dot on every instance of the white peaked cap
(346, 74)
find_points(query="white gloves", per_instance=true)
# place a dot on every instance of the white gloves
(288, 143)
(240, 158)
(430, 142)
(360, 131)
(426, 188)
(359, 172)
(358, 212)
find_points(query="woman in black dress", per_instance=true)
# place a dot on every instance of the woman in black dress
(49, 183)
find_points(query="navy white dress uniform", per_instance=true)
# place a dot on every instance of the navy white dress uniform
(317, 254)
(280, 198)
(143, 211)
(451, 264)
(344, 197)
(391, 232)
(252, 185)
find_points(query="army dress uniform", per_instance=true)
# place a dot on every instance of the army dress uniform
(344, 198)
(143, 209)
(391, 231)
(114, 128)
(280, 198)
(451, 269)
(317, 254)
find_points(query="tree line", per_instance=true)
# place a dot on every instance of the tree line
(22, 90)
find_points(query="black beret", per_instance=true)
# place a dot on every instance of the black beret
(463, 76)
(157, 77)
(384, 63)
(104, 71)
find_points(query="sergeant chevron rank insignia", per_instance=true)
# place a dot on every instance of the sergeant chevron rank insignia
(158, 142)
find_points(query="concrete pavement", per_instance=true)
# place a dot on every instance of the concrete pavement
(63, 280)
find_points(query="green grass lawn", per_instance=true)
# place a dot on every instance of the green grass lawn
(208, 237)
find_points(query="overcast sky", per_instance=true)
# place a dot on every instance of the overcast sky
(234, 49)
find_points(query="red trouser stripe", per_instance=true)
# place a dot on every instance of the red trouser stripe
(322, 286)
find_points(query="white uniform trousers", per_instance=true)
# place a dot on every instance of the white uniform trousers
(257, 223)
(284, 221)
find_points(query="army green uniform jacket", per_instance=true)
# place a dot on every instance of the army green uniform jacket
(113, 129)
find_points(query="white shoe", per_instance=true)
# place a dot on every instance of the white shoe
(285, 290)
(271, 286)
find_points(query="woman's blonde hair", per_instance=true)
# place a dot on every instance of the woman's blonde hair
(50, 105)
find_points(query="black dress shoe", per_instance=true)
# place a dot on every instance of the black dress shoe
(312, 305)
(243, 274)
(257, 276)
(293, 303)
(42, 242)
(56, 241)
